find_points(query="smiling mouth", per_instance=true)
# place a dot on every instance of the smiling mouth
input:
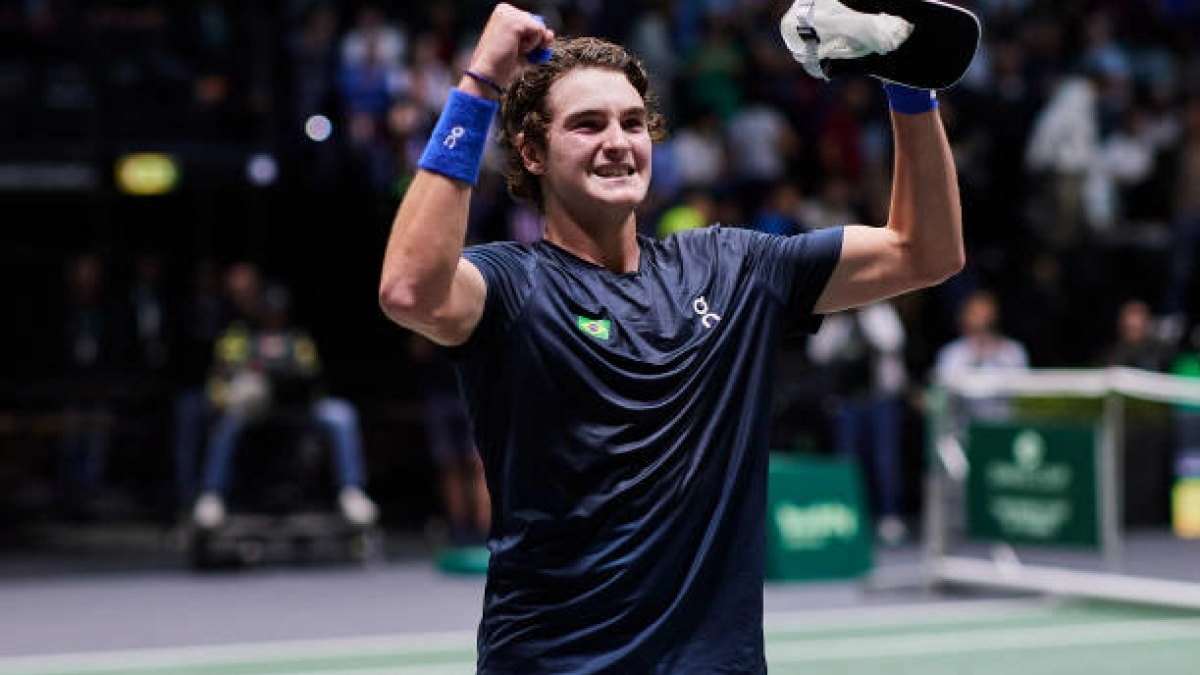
(614, 172)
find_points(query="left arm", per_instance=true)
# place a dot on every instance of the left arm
(922, 244)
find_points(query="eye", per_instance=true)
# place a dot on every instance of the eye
(635, 124)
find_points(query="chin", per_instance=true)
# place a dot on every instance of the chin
(629, 195)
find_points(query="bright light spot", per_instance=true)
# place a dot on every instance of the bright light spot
(147, 173)
(262, 169)
(318, 128)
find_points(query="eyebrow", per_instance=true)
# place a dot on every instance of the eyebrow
(580, 114)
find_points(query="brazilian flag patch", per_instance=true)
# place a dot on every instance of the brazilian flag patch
(597, 328)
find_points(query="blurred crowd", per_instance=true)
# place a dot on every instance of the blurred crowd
(1076, 132)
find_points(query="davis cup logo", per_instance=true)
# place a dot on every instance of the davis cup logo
(1029, 448)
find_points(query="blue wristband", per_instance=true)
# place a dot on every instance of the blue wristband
(909, 100)
(539, 54)
(455, 149)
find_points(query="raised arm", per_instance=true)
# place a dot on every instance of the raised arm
(425, 285)
(922, 244)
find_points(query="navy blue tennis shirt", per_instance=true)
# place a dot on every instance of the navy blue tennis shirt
(623, 422)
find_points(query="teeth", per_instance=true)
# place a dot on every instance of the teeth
(614, 172)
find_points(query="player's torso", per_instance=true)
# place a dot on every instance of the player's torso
(675, 309)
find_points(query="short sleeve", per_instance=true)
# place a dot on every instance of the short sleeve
(505, 268)
(799, 267)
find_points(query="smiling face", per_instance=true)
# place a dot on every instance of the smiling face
(596, 160)
(528, 110)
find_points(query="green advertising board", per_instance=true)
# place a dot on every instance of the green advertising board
(817, 527)
(1033, 484)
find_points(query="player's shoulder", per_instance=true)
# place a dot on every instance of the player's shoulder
(504, 257)
(710, 239)
(498, 250)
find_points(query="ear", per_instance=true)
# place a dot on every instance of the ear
(531, 156)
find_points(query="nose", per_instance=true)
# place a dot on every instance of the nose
(615, 138)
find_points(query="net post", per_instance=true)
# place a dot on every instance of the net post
(934, 525)
(1112, 451)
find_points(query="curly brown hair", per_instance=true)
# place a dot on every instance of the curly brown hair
(523, 109)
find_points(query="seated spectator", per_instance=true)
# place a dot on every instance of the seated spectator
(1137, 346)
(269, 364)
(217, 299)
(981, 345)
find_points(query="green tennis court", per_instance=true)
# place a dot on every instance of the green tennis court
(929, 639)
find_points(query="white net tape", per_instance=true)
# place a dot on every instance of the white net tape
(1073, 383)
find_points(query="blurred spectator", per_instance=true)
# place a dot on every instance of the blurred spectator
(844, 136)
(431, 76)
(1004, 119)
(1062, 147)
(651, 40)
(1124, 159)
(149, 315)
(1101, 52)
(716, 68)
(700, 153)
(448, 437)
(981, 344)
(89, 357)
(312, 46)
(765, 146)
(696, 209)
(408, 127)
(778, 213)
(1180, 297)
(1137, 346)
(367, 88)
(312, 63)
(204, 316)
(374, 37)
(834, 206)
(863, 349)
(442, 25)
(270, 366)
(219, 300)
(218, 102)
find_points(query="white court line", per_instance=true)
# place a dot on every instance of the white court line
(441, 669)
(412, 644)
(241, 653)
(963, 642)
(817, 620)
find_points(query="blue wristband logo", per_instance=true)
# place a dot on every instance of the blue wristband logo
(451, 139)
(456, 146)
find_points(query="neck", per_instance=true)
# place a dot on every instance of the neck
(985, 340)
(612, 246)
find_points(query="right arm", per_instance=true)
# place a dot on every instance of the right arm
(426, 285)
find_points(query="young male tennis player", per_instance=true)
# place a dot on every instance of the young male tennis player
(618, 386)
